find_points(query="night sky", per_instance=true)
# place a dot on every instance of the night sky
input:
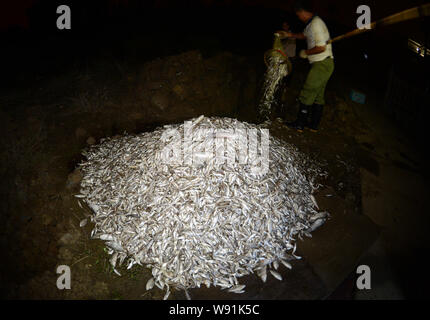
(242, 25)
(16, 13)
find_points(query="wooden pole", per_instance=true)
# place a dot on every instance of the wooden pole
(405, 15)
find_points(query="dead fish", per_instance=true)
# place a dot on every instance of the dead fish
(204, 224)
(314, 201)
(318, 215)
(187, 295)
(113, 259)
(286, 264)
(115, 246)
(106, 237)
(159, 284)
(83, 223)
(276, 71)
(318, 223)
(263, 274)
(237, 288)
(166, 295)
(276, 275)
(150, 284)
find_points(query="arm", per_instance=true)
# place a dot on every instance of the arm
(285, 34)
(300, 36)
(315, 50)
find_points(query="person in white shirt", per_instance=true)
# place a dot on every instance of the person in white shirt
(320, 56)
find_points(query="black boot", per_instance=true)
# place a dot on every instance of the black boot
(315, 116)
(302, 118)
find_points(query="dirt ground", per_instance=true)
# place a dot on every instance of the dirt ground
(375, 190)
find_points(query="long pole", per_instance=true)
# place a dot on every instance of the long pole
(405, 15)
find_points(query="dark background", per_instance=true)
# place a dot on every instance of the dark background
(133, 32)
(142, 30)
(32, 42)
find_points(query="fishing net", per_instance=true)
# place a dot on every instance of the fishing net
(277, 68)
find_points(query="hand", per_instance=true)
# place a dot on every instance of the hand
(303, 54)
(283, 34)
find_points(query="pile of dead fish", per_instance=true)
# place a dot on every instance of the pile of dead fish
(275, 72)
(209, 223)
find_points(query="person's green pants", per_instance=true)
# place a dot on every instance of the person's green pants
(316, 81)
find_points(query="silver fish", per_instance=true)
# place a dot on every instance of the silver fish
(276, 275)
(204, 223)
(150, 284)
(236, 288)
(83, 223)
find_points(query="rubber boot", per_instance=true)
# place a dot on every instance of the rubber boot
(315, 117)
(302, 118)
